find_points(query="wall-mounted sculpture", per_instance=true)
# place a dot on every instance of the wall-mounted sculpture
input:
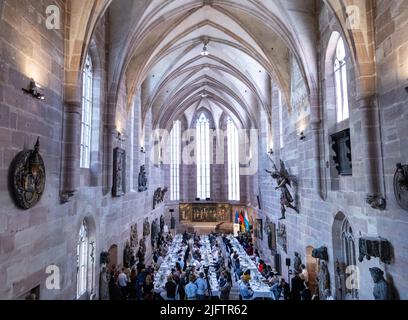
(375, 247)
(284, 181)
(297, 263)
(172, 222)
(162, 223)
(133, 236)
(323, 278)
(321, 254)
(146, 228)
(27, 177)
(128, 257)
(104, 258)
(271, 232)
(155, 233)
(142, 250)
(142, 179)
(158, 196)
(282, 238)
(119, 172)
(382, 290)
(401, 185)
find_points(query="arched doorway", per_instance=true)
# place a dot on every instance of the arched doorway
(311, 266)
(344, 251)
(113, 257)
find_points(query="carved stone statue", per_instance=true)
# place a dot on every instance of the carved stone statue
(158, 196)
(155, 232)
(162, 223)
(381, 288)
(284, 180)
(127, 255)
(142, 250)
(401, 185)
(323, 278)
(119, 172)
(146, 228)
(104, 258)
(172, 223)
(282, 238)
(142, 179)
(297, 263)
(104, 284)
(320, 253)
(133, 236)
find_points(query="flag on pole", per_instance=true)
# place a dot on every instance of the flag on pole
(242, 221)
(237, 217)
(246, 220)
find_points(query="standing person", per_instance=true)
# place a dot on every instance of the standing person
(306, 293)
(202, 287)
(225, 287)
(123, 283)
(132, 285)
(171, 288)
(298, 286)
(191, 289)
(140, 280)
(305, 274)
(181, 288)
(148, 287)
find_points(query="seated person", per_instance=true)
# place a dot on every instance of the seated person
(245, 290)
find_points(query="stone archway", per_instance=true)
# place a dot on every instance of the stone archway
(345, 259)
(311, 266)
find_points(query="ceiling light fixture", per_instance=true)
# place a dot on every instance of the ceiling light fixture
(205, 51)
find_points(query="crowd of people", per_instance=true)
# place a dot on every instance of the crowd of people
(189, 279)
(298, 289)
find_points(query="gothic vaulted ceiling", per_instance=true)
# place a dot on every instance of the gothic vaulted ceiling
(157, 46)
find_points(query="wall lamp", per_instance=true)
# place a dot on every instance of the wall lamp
(33, 90)
(302, 136)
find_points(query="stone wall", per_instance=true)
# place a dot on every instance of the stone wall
(47, 234)
(315, 226)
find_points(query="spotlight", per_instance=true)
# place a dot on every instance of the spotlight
(33, 90)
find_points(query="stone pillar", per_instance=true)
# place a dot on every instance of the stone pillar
(371, 140)
(318, 145)
(109, 129)
(71, 150)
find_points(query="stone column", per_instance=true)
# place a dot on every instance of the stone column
(371, 145)
(70, 150)
(318, 145)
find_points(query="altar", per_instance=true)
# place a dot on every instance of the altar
(205, 212)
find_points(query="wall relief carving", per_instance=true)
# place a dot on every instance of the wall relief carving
(401, 185)
(158, 196)
(142, 179)
(119, 172)
(27, 177)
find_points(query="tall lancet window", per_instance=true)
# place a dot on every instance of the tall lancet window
(203, 157)
(175, 146)
(340, 74)
(86, 123)
(82, 260)
(233, 162)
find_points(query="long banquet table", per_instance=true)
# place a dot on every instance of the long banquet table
(260, 289)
